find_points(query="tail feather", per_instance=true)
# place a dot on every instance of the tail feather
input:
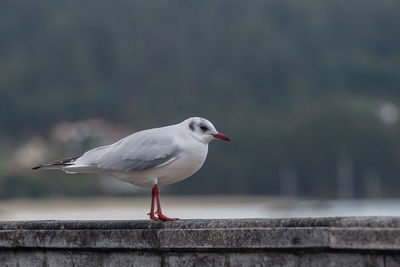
(58, 164)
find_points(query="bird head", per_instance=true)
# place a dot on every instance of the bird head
(204, 130)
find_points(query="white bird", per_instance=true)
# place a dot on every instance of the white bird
(149, 158)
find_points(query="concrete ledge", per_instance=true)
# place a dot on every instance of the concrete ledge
(244, 242)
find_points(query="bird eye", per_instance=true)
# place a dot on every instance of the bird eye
(203, 128)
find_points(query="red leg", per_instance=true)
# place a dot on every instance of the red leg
(161, 216)
(153, 196)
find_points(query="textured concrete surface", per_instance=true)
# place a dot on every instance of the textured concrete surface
(356, 241)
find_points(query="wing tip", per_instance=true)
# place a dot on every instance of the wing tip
(58, 164)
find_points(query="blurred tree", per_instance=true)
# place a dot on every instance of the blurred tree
(299, 82)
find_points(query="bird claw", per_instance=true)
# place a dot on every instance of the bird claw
(162, 217)
(152, 217)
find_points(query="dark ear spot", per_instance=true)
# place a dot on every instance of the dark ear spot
(191, 126)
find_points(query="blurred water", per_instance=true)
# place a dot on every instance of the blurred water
(192, 208)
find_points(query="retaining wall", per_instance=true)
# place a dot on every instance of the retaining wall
(347, 241)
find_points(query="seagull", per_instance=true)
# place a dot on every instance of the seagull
(149, 158)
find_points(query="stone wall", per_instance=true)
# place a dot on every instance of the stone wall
(350, 241)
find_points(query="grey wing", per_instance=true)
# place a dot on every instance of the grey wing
(140, 151)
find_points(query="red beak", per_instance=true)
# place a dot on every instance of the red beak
(222, 137)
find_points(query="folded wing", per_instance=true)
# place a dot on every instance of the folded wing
(140, 151)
